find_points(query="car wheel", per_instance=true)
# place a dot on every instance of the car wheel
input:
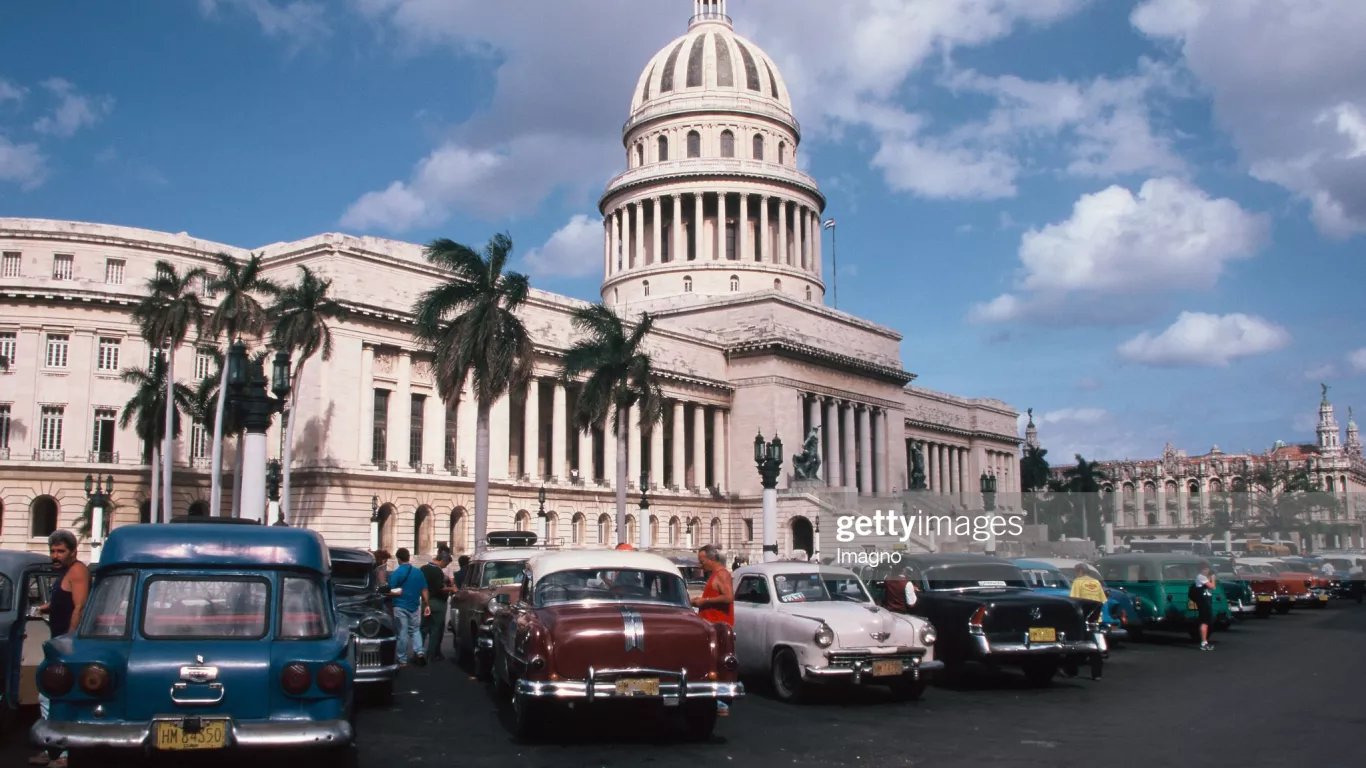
(1263, 611)
(483, 664)
(1135, 634)
(787, 676)
(907, 689)
(1040, 673)
(528, 716)
(1283, 608)
(699, 720)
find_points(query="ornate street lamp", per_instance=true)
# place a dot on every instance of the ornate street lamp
(643, 519)
(768, 459)
(97, 492)
(541, 515)
(989, 505)
(374, 524)
(255, 409)
(273, 478)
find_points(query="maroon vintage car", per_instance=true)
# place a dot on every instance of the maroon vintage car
(598, 627)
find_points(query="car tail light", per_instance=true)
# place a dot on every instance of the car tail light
(295, 679)
(978, 619)
(95, 679)
(57, 680)
(332, 678)
(1123, 618)
(730, 662)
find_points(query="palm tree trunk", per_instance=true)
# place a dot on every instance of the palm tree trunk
(237, 477)
(289, 440)
(622, 452)
(156, 478)
(168, 452)
(216, 462)
(481, 475)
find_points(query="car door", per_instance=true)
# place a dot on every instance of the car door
(27, 635)
(753, 616)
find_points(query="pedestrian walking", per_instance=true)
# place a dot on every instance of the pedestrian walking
(717, 603)
(63, 609)
(408, 587)
(464, 564)
(1089, 590)
(381, 566)
(438, 590)
(1201, 595)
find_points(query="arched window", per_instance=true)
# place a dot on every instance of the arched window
(646, 285)
(640, 154)
(1331, 485)
(727, 144)
(663, 148)
(782, 152)
(200, 509)
(715, 531)
(459, 530)
(758, 147)
(552, 526)
(604, 529)
(808, 293)
(424, 531)
(734, 283)
(777, 284)
(388, 522)
(694, 144)
(43, 517)
(578, 524)
(523, 521)
(654, 531)
(687, 284)
(631, 529)
(674, 527)
(145, 512)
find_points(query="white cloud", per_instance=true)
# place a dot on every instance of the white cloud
(22, 164)
(575, 250)
(299, 21)
(1325, 371)
(11, 92)
(74, 110)
(1357, 359)
(1117, 244)
(1288, 80)
(1074, 415)
(1088, 384)
(1200, 339)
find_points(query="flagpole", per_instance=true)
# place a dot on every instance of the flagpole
(834, 258)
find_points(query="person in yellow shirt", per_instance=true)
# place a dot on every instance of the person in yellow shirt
(1087, 587)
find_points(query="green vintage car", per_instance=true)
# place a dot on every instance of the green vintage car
(1241, 597)
(1163, 581)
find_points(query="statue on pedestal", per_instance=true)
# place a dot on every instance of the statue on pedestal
(918, 466)
(807, 464)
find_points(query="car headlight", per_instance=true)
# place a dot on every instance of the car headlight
(928, 635)
(369, 627)
(825, 636)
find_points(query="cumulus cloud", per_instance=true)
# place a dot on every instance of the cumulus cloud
(11, 92)
(575, 250)
(299, 21)
(22, 164)
(1117, 244)
(74, 110)
(1200, 339)
(1288, 81)
(1321, 372)
(1357, 359)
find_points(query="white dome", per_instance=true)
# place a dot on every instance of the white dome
(711, 60)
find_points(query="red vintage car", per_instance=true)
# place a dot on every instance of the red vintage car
(1268, 592)
(1316, 585)
(600, 627)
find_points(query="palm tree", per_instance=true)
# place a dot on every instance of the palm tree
(470, 322)
(620, 374)
(165, 316)
(1083, 479)
(147, 409)
(238, 312)
(301, 313)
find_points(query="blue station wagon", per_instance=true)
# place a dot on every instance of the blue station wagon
(203, 637)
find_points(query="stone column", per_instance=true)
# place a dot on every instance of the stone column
(466, 424)
(765, 238)
(783, 255)
(850, 444)
(638, 247)
(679, 251)
(633, 435)
(559, 427)
(585, 456)
(680, 448)
(813, 412)
(657, 231)
(818, 242)
(955, 479)
(616, 241)
(930, 484)
(718, 449)
(964, 476)
(433, 430)
(500, 438)
(365, 455)
(865, 453)
(742, 237)
(400, 405)
(833, 476)
(657, 453)
(531, 432)
(607, 246)
(697, 226)
(803, 237)
(943, 466)
(699, 446)
(876, 451)
(719, 254)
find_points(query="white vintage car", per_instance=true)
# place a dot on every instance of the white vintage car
(801, 623)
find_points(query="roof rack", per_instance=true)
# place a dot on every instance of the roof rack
(511, 539)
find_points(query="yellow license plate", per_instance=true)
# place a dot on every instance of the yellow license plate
(638, 686)
(1043, 635)
(1323, 598)
(1263, 598)
(888, 668)
(212, 734)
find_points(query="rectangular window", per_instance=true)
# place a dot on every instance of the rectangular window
(109, 355)
(303, 610)
(8, 342)
(63, 266)
(200, 441)
(102, 442)
(379, 439)
(731, 255)
(666, 236)
(451, 426)
(107, 613)
(4, 425)
(749, 529)
(113, 271)
(57, 346)
(211, 608)
(415, 419)
(50, 428)
(207, 286)
(9, 264)
(204, 364)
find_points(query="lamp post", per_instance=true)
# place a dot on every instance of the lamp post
(643, 519)
(768, 459)
(97, 492)
(989, 505)
(374, 524)
(256, 408)
(273, 492)
(543, 520)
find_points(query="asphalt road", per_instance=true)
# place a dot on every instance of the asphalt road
(1290, 690)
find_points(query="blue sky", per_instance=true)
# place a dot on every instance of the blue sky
(1126, 214)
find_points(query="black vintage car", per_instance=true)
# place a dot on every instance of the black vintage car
(26, 579)
(985, 612)
(361, 602)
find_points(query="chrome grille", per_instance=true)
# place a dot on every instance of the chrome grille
(368, 656)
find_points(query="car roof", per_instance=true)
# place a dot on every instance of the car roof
(13, 560)
(776, 568)
(953, 558)
(503, 555)
(611, 559)
(1042, 565)
(197, 545)
(349, 555)
(1154, 557)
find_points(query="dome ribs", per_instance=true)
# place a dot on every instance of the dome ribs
(695, 57)
(666, 81)
(751, 71)
(725, 68)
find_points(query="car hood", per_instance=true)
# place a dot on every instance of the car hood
(860, 625)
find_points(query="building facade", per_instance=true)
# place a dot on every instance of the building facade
(712, 228)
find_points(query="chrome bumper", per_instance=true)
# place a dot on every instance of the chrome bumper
(674, 687)
(384, 674)
(987, 648)
(369, 655)
(863, 672)
(251, 735)
(1116, 633)
(1240, 608)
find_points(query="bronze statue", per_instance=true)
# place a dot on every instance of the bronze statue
(918, 466)
(807, 464)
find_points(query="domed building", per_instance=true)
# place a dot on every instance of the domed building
(712, 227)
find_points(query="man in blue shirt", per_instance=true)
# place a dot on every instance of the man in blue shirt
(409, 591)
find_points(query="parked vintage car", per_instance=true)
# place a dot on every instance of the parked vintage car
(1267, 587)
(25, 579)
(985, 612)
(800, 623)
(1164, 580)
(1245, 596)
(1295, 586)
(1321, 585)
(594, 626)
(1119, 613)
(203, 637)
(498, 570)
(362, 606)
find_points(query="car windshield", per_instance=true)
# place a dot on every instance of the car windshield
(818, 587)
(500, 573)
(1045, 579)
(351, 576)
(214, 608)
(618, 586)
(975, 576)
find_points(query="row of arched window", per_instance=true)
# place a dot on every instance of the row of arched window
(734, 285)
(693, 148)
(679, 532)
